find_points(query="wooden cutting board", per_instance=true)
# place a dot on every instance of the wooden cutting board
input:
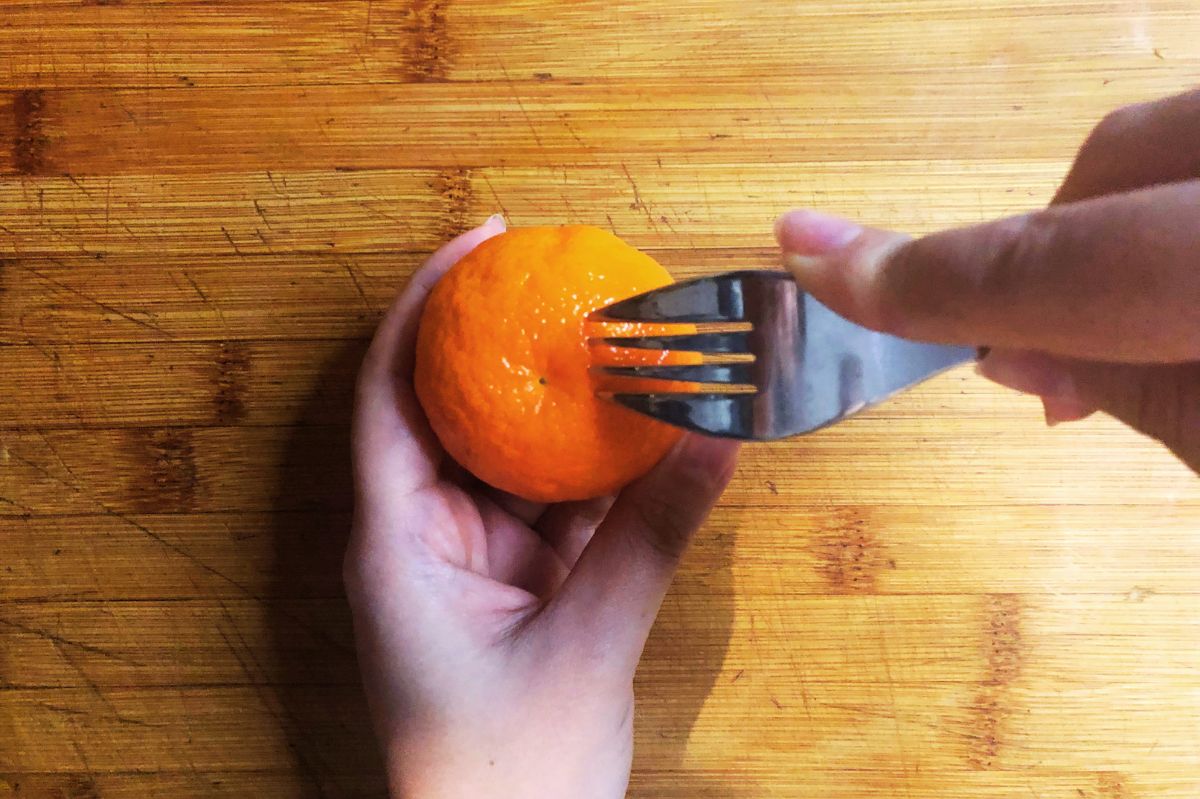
(204, 208)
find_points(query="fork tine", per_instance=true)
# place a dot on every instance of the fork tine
(724, 415)
(695, 342)
(705, 299)
(698, 373)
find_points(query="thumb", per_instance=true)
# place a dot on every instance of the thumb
(609, 601)
(1162, 401)
(1113, 278)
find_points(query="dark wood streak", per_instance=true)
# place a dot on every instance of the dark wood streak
(29, 146)
(430, 50)
(1111, 785)
(50, 786)
(456, 191)
(171, 467)
(849, 555)
(232, 378)
(992, 706)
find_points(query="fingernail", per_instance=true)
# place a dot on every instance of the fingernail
(1057, 411)
(805, 268)
(1049, 414)
(497, 220)
(1030, 373)
(813, 234)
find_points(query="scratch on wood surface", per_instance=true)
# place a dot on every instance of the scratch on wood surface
(429, 49)
(495, 196)
(99, 694)
(78, 786)
(300, 622)
(286, 721)
(101, 305)
(232, 243)
(566, 120)
(262, 214)
(204, 298)
(62, 710)
(83, 759)
(231, 380)
(49, 785)
(24, 509)
(638, 203)
(516, 95)
(29, 146)
(57, 640)
(885, 658)
(362, 295)
(57, 455)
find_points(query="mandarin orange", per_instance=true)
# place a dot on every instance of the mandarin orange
(504, 367)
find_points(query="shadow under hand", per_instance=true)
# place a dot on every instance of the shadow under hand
(312, 686)
(315, 693)
(682, 661)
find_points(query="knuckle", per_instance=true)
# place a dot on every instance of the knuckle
(1167, 408)
(665, 527)
(1018, 250)
(889, 305)
(962, 273)
(891, 302)
(1116, 126)
(1103, 157)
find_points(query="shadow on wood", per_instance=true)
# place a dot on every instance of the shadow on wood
(681, 663)
(320, 703)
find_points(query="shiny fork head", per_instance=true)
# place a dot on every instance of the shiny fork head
(810, 368)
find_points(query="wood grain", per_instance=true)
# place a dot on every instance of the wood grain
(472, 125)
(817, 549)
(184, 43)
(205, 207)
(968, 638)
(77, 299)
(903, 454)
(674, 206)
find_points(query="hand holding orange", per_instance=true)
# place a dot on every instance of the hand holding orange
(477, 618)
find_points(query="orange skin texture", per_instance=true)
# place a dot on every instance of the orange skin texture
(504, 370)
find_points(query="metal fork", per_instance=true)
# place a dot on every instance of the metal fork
(811, 368)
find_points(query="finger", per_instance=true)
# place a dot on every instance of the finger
(1038, 374)
(517, 555)
(1137, 146)
(1162, 401)
(394, 448)
(526, 510)
(392, 348)
(1114, 278)
(568, 527)
(609, 601)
